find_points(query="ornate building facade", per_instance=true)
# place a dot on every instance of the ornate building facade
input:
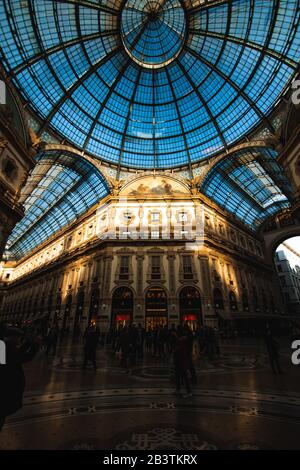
(16, 160)
(154, 253)
(146, 187)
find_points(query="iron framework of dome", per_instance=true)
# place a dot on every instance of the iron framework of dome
(151, 83)
(59, 190)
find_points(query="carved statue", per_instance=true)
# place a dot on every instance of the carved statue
(35, 140)
(116, 186)
(193, 184)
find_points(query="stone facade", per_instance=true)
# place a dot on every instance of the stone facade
(155, 234)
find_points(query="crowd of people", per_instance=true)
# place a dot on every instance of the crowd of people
(160, 341)
(128, 344)
(132, 342)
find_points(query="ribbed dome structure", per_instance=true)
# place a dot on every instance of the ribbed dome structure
(151, 83)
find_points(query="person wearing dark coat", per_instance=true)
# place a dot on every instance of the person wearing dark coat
(12, 378)
(182, 364)
(140, 341)
(273, 350)
(90, 346)
(190, 343)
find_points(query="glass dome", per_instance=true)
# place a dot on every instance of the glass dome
(151, 83)
(153, 32)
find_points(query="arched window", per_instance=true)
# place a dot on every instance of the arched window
(190, 306)
(122, 307)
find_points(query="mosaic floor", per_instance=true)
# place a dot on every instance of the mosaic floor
(237, 404)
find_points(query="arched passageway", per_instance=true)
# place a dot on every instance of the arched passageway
(122, 307)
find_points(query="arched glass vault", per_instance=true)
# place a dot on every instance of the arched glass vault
(151, 84)
(249, 184)
(60, 188)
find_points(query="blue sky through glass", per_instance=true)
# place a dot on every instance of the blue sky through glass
(60, 188)
(249, 184)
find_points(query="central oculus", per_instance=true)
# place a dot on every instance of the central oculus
(153, 32)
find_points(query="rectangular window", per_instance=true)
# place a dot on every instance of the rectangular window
(187, 267)
(155, 268)
(155, 234)
(124, 267)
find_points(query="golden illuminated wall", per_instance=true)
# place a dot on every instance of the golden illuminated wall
(151, 217)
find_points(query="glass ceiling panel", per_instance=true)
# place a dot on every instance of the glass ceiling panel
(249, 184)
(151, 84)
(60, 188)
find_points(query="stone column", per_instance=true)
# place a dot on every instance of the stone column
(106, 293)
(139, 303)
(209, 316)
(173, 303)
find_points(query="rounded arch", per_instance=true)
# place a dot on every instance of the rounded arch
(190, 306)
(60, 189)
(157, 284)
(224, 155)
(155, 180)
(122, 305)
(64, 148)
(286, 262)
(279, 235)
(121, 286)
(233, 301)
(250, 184)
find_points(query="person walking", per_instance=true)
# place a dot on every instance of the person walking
(124, 341)
(19, 350)
(273, 351)
(190, 345)
(51, 340)
(90, 346)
